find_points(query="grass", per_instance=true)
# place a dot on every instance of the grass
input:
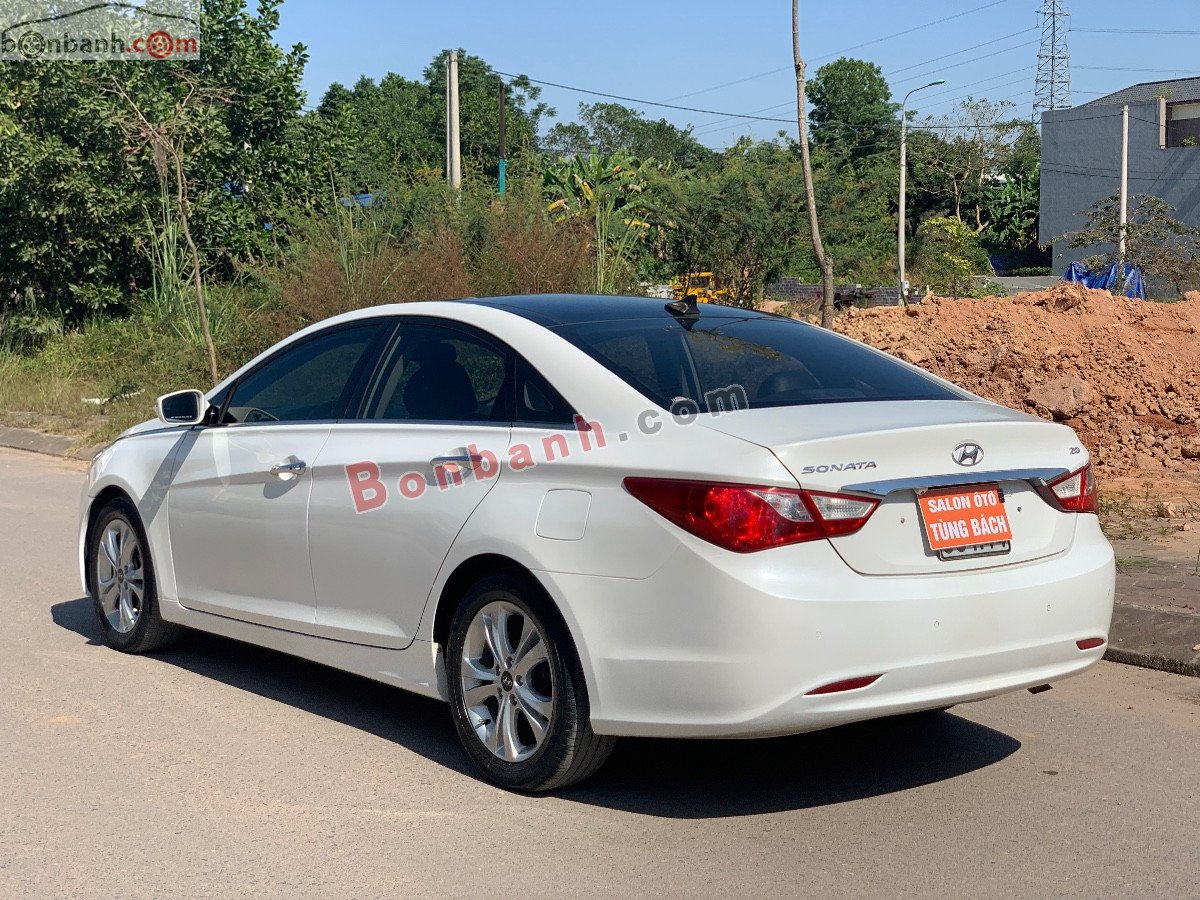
(348, 259)
(1127, 565)
(126, 363)
(1122, 518)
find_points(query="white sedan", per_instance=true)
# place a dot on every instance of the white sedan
(575, 518)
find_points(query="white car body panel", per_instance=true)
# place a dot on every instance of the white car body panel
(372, 569)
(843, 446)
(225, 501)
(675, 636)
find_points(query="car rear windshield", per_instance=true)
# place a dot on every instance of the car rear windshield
(753, 362)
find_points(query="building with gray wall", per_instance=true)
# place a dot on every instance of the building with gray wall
(1081, 157)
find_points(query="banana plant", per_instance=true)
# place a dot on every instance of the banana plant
(606, 191)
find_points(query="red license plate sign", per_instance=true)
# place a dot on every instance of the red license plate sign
(964, 517)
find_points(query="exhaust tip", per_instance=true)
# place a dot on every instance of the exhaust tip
(1040, 688)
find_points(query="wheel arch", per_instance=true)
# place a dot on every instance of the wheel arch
(105, 496)
(96, 503)
(470, 570)
(465, 574)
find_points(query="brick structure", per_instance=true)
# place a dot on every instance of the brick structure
(793, 289)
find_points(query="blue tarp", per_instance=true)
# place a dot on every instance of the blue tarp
(1108, 279)
(363, 200)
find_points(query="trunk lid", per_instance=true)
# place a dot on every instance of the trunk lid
(898, 450)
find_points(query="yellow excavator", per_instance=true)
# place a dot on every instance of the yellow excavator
(701, 285)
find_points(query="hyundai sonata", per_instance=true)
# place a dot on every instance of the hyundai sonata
(575, 518)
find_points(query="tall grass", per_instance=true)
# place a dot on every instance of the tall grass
(25, 325)
(421, 243)
(171, 299)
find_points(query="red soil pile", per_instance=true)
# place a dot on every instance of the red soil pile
(1125, 374)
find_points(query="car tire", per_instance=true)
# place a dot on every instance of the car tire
(520, 704)
(121, 580)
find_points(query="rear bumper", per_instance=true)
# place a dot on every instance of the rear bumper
(726, 645)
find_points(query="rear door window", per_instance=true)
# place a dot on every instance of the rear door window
(435, 373)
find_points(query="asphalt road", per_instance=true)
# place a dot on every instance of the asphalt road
(218, 769)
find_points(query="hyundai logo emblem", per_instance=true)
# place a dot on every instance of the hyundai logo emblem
(968, 453)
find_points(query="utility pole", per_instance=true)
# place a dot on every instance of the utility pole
(814, 227)
(503, 165)
(1124, 189)
(901, 223)
(453, 147)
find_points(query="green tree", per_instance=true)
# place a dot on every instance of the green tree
(1165, 248)
(980, 142)
(948, 255)
(76, 195)
(852, 110)
(611, 127)
(1012, 206)
(743, 219)
(397, 127)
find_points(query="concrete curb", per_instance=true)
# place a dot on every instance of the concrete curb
(1149, 637)
(1155, 638)
(49, 444)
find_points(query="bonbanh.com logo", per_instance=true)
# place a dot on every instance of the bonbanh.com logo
(64, 30)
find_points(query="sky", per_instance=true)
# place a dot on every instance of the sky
(735, 57)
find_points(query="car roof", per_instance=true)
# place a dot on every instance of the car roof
(553, 310)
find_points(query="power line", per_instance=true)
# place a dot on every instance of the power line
(960, 52)
(727, 117)
(959, 15)
(706, 127)
(640, 102)
(1129, 69)
(1006, 99)
(838, 53)
(1112, 175)
(947, 98)
(709, 112)
(1132, 31)
(967, 62)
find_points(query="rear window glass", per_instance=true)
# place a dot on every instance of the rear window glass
(766, 361)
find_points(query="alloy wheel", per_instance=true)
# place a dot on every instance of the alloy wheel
(120, 576)
(507, 681)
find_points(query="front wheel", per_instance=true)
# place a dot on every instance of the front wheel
(517, 689)
(121, 581)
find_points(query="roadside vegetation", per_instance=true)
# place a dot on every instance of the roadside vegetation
(147, 208)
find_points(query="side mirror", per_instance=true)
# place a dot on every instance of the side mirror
(182, 408)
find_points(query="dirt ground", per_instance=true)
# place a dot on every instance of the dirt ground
(1125, 374)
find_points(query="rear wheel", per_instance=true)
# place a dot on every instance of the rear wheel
(517, 690)
(121, 581)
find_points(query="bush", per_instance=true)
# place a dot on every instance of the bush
(948, 255)
(518, 250)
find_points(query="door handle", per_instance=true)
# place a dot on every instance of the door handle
(286, 471)
(459, 459)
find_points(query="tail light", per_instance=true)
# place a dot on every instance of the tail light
(745, 518)
(1075, 492)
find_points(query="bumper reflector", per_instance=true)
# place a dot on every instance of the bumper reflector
(847, 684)
(1090, 643)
